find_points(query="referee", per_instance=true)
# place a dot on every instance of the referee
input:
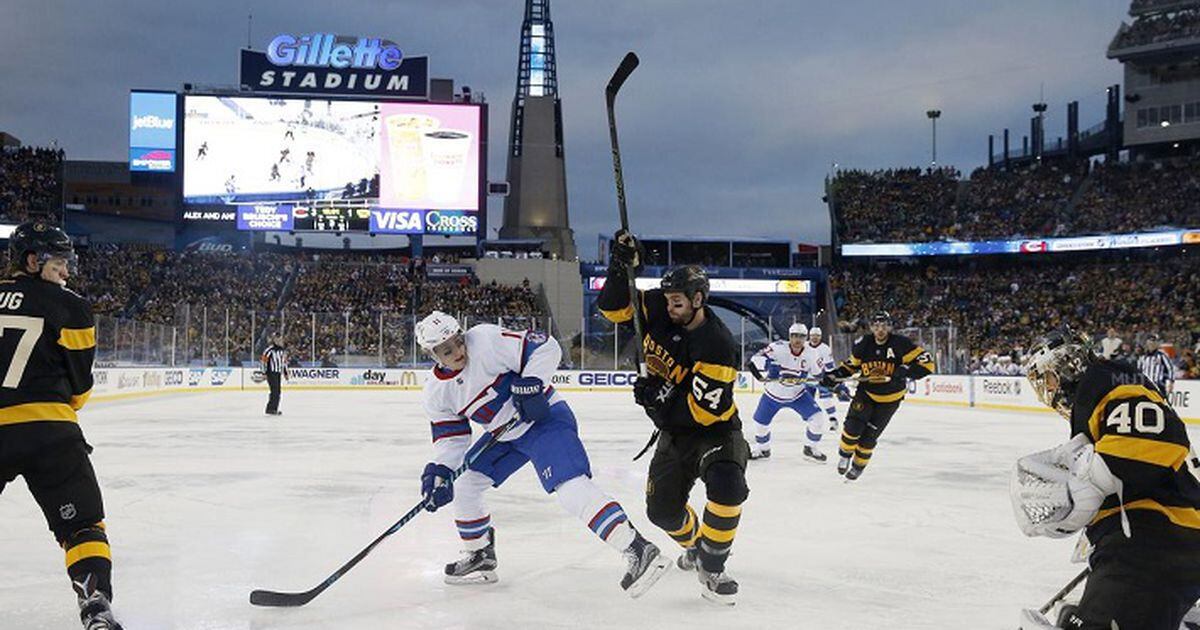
(1157, 366)
(274, 365)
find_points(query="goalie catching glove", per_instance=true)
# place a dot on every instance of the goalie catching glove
(1057, 492)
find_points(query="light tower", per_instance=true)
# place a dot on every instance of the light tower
(536, 206)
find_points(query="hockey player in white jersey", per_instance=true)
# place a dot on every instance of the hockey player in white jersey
(817, 360)
(491, 376)
(783, 369)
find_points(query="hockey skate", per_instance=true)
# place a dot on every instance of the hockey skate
(95, 611)
(843, 465)
(760, 453)
(718, 588)
(688, 560)
(813, 455)
(476, 566)
(646, 565)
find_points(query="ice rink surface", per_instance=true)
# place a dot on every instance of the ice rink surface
(207, 498)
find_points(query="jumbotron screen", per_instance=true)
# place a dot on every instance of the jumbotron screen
(240, 150)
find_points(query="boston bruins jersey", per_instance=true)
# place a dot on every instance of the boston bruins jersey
(1145, 445)
(878, 363)
(701, 362)
(47, 343)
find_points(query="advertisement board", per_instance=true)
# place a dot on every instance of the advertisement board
(257, 217)
(152, 129)
(324, 63)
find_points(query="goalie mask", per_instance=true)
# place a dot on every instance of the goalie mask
(1056, 363)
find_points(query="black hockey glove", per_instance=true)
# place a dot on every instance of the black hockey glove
(654, 394)
(626, 250)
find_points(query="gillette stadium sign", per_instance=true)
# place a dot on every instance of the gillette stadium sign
(324, 63)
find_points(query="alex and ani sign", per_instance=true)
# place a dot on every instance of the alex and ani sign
(323, 63)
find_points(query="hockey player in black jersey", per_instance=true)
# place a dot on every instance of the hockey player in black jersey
(47, 343)
(885, 362)
(1124, 479)
(692, 363)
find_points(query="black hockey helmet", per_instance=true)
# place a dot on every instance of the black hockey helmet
(38, 237)
(686, 279)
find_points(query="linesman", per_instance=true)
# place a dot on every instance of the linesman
(274, 366)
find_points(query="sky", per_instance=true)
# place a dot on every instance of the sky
(729, 127)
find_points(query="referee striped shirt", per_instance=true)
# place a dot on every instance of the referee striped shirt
(1158, 368)
(274, 359)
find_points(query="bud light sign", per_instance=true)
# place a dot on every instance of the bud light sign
(152, 131)
(258, 217)
(390, 221)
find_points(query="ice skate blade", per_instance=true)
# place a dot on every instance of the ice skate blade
(478, 577)
(657, 568)
(716, 598)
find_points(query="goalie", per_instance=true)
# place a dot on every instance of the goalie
(1124, 479)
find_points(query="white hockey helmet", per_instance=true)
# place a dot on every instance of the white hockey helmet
(798, 329)
(435, 329)
(815, 330)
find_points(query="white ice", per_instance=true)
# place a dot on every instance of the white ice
(207, 499)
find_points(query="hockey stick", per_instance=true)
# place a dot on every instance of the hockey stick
(1065, 590)
(261, 597)
(628, 64)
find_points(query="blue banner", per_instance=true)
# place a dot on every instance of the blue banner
(265, 217)
(152, 129)
(392, 221)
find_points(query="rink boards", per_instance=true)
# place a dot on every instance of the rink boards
(1007, 393)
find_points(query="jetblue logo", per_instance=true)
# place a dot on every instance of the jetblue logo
(150, 121)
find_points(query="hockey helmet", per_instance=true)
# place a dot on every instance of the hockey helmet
(1055, 365)
(435, 329)
(798, 329)
(38, 237)
(686, 279)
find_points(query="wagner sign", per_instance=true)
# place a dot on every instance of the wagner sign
(323, 63)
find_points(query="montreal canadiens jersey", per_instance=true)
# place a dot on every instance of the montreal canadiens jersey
(791, 366)
(817, 360)
(480, 393)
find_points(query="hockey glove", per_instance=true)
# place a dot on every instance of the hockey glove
(530, 399)
(1057, 492)
(773, 371)
(436, 486)
(654, 394)
(626, 250)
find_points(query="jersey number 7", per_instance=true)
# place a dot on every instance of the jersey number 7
(30, 329)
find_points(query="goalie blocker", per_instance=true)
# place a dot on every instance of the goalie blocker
(1123, 479)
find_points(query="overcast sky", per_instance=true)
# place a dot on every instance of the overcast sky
(729, 127)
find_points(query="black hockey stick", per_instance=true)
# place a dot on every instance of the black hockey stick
(1065, 590)
(628, 64)
(260, 597)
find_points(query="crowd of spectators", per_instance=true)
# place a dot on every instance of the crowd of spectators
(1161, 27)
(1049, 199)
(30, 183)
(330, 307)
(997, 310)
